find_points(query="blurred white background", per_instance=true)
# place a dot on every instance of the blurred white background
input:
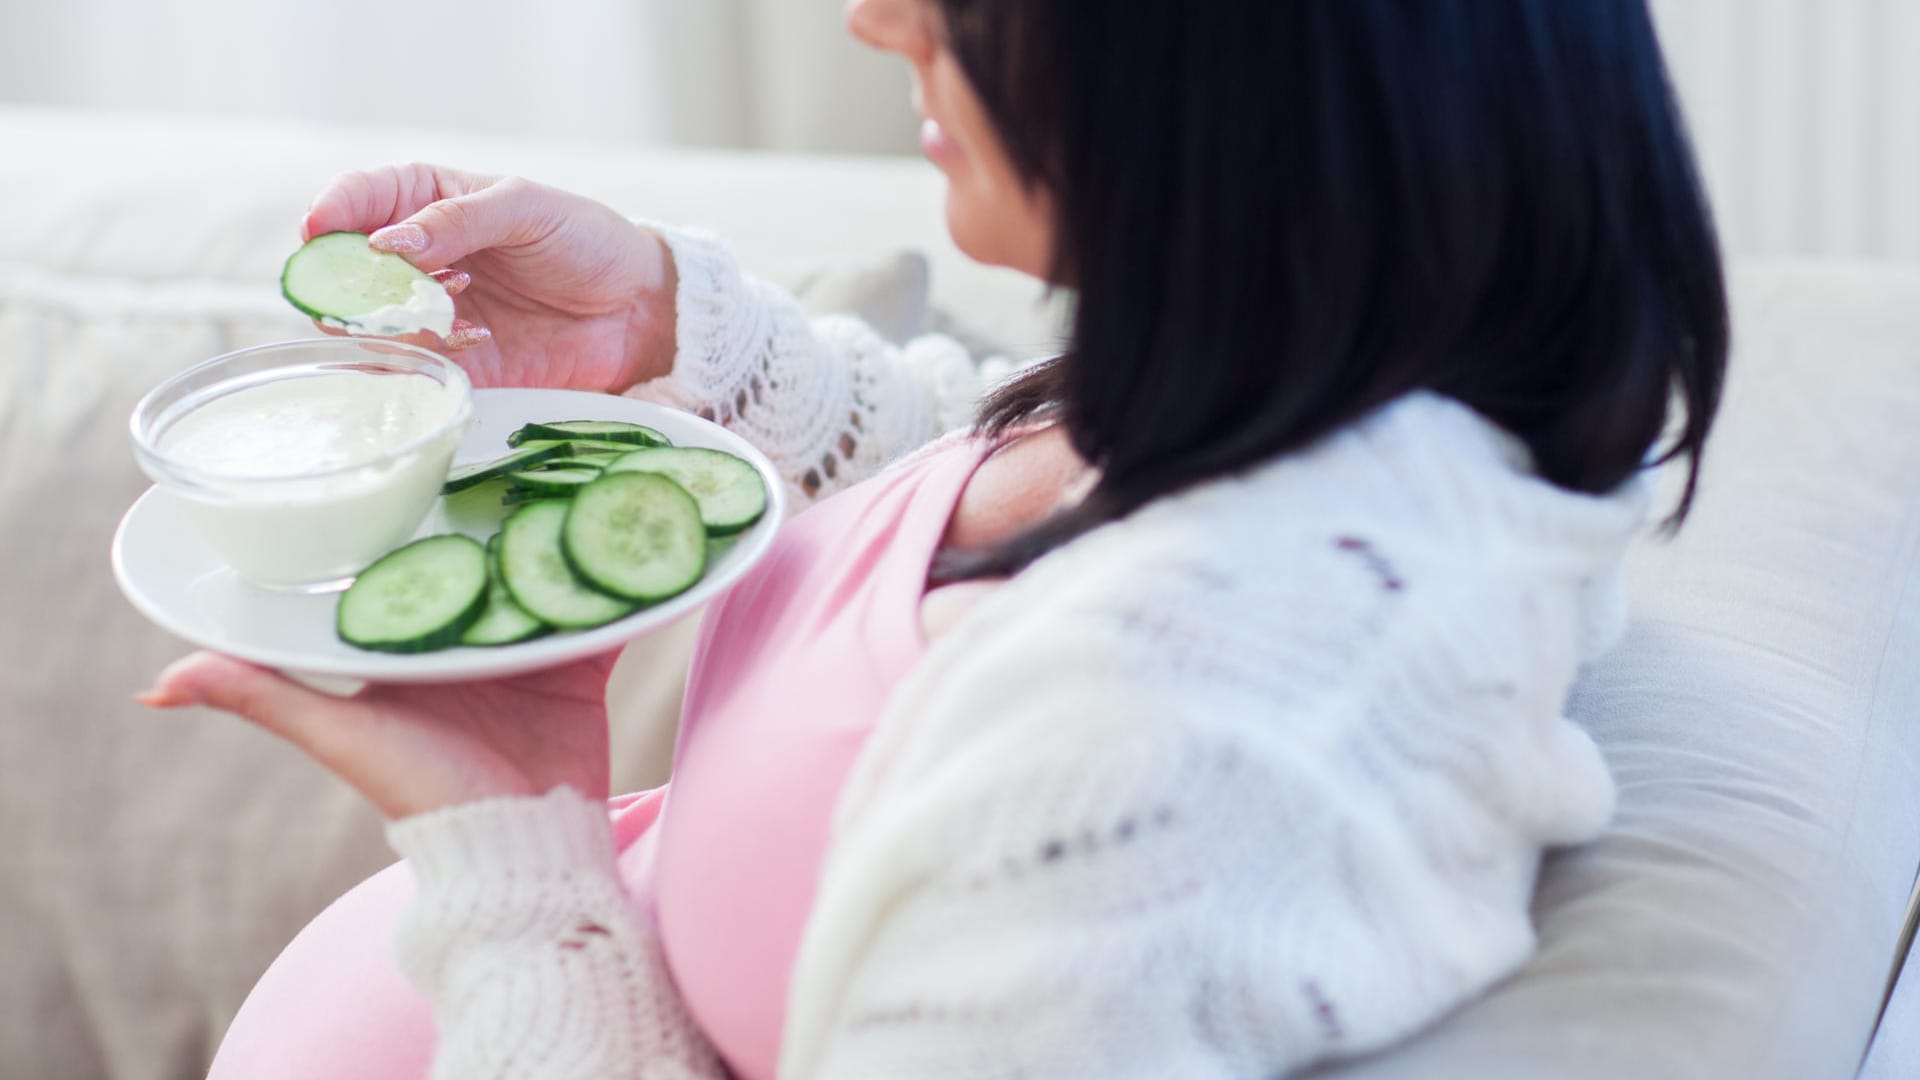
(1807, 112)
(763, 73)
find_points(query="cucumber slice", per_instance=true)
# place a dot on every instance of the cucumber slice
(605, 431)
(416, 599)
(335, 276)
(605, 446)
(635, 535)
(536, 573)
(596, 462)
(476, 511)
(729, 490)
(560, 482)
(533, 453)
(503, 622)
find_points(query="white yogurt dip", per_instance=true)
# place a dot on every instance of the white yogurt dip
(295, 481)
(429, 308)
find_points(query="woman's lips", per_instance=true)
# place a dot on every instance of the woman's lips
(936, 143)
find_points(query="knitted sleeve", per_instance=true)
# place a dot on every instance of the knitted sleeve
(537, 965)
(828, 399)
(1309, 845)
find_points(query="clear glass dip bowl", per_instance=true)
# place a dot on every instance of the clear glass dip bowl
(286, 527)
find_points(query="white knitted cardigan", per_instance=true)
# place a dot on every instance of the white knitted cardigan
(1257, 777)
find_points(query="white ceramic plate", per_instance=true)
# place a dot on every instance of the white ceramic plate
(173, 579)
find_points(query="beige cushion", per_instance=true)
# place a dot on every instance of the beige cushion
(151, 865)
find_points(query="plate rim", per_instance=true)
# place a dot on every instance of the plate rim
(477, 663)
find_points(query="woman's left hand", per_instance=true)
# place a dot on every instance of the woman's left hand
(414, 748)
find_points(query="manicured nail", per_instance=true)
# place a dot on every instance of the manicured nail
(465, 335)
(453, 280)
(154, 699)
(402, 238)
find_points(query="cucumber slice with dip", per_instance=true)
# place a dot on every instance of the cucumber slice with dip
(345, 284)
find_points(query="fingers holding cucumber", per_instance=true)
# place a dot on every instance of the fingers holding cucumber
(454, 281)
(556, 290)
(434, 215)
(363, 200)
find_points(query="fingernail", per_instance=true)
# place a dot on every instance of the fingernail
(453, 280)
(466, 336)
(404, 237)
(154, 699)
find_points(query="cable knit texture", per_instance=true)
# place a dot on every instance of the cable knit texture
(1257, 777)
(535, 959)
(828, 400)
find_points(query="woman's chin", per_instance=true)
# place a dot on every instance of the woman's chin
(962, 228)
(990, 237)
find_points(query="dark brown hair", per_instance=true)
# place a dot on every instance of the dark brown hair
(1278, 215)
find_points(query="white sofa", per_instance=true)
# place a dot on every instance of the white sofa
(1739, 919)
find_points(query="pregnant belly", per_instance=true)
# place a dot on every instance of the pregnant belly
(334, 1005)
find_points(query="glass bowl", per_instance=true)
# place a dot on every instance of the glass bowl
(379, 452)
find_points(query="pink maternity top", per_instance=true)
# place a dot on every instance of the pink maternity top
(793, 668)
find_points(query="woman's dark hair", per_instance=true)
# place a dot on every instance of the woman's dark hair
(1278, 215)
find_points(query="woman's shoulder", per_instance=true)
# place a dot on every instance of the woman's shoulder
(1356, 651)
(1409, 563)
(1238, 595)
(1419, 502)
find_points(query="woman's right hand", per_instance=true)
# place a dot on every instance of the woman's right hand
(558, 291)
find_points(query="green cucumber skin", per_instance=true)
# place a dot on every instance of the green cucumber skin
(557, 483)
(635, 435)
(521, 459)
(594, 462)
(663, 487)
(585, 445)
(446, 635)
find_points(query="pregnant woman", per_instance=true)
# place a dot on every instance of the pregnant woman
(1194, 708)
